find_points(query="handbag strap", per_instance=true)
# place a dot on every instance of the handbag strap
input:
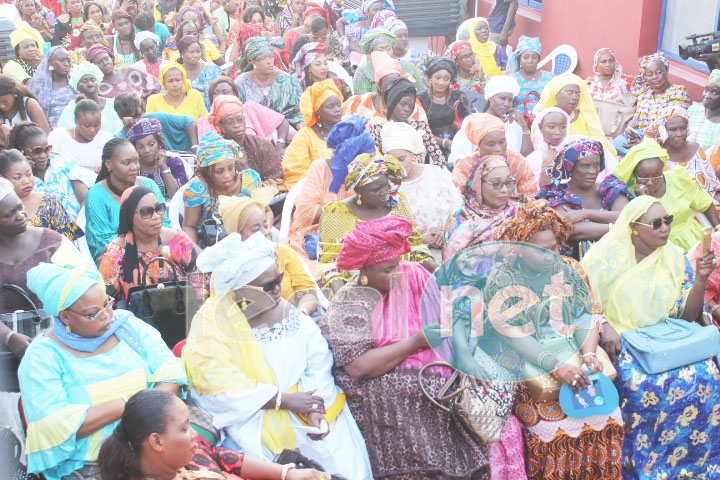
(447, 385)
(22, 293)
(159, 260)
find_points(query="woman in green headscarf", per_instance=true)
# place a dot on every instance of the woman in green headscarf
(644, 170)
(380, 39)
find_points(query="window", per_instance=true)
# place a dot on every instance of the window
(681, 18)
(536, 4)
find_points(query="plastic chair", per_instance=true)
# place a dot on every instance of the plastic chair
(176, 209)
(564, 59)
(287, 211)
(700, 217)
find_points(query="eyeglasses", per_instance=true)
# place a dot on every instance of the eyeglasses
(93, 317)
(268, 59)
(572, 94)
(239, 120)
(509, 184)
(657, 223)
(273, 284)
(647, 179)
(39, 150)
(147, 212)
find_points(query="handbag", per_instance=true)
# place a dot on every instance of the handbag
(168, 306)
(528, 115)
(212, 231)
(457, 123)
(482, 412)
(27, 322)
(614, 116)
(672, 344)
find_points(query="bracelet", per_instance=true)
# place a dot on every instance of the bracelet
(443, 142)
(166, 171)
(12, 332)
(589, 353)
(278, 400)
(285, 469)
(610, 226)
(712, 310)
(124, 399)
(526, 133)
(281, 141)
(194, 147)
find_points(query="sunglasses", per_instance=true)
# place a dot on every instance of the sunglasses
(39, 150)
(509, 184)
(147, 212)
(273, 284)
(658, 222)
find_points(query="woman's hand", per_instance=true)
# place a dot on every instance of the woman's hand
(162, 160)
(434, 238)
(429, 336)
(305, 474)
(303, 402)
(705, 266)
(591, 361)
(641, 189)
(572, 376)
(610, 342)
(518, 117)
(315, 420)
(572, 215)
(632, 136)
(18, 344)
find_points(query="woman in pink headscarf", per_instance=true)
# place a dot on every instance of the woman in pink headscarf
(608, 83)
(549, 129)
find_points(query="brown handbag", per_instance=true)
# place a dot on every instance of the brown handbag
(614, 116)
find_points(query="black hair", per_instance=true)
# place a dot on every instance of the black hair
(301, 41)
(86, 10)
(8, 158)
(250, 11)
(146, 412)
(127, 104)
(85, 105)
(144, 21)
(318, 23)
(22, 133)
(111, 146)
(222, 79)
(10, 86)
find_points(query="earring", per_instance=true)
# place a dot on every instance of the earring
(359, 200)
(244, 303)
(635, 232)
(363, 280)
(320, 125)
(51, 68)
(68, 329)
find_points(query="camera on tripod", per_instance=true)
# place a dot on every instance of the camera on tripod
(701, 43)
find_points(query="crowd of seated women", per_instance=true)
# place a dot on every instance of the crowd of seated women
(306, 176)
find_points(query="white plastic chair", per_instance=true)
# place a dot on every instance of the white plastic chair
(287, 212)
(463, 31)
(700, 217)
(176, 209)
(564, 59)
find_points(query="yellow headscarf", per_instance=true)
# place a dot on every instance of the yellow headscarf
(23, 31)
(633, 294)
(642, 151)
(485, 52)
(169, 66)
(314, 96)
(235, 211)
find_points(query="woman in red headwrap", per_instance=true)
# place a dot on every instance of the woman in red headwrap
(378, 359)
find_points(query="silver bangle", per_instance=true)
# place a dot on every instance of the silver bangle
(8, 337)
(166, 171)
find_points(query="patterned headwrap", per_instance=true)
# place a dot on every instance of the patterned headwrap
(366, 168)
(92, 25)
(571, 151)
(222, 106)
(180, 17)
(455, 48)
(145, 35)
(530, 219)
(480, 124)
(314, 96)
(143, 128)
(395, 25)
(349, 138)
(92, 53)
(213, 149)
(84, 68)
(375, 37)
(317, 10)
(24, 31)
(601, 52)
(525, 44)
(658, 130)
(245, 32)
(483, 166)
(435, 64)
(254, 47)
(374, 242)
(362, 12)
(714, 77)
(380, 18)
(306, 55)
(169, 66)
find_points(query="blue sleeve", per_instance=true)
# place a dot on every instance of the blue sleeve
(162, 31)
(100, 228)
(156, 190)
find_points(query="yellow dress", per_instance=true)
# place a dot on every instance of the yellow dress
(305, 148)
(295, 278)
(193, 106)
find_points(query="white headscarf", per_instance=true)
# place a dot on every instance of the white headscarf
(144, 35)
(235, 263)
(501, 84)
(401, 136)
(6, 188)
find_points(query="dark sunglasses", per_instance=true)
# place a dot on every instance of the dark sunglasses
(39, 150)
(147, 212)
(273, 284)
(657, 223)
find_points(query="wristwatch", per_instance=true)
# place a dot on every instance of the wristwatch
(166, 171)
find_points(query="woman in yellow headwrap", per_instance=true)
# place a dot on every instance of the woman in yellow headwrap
(644, 170)
(571, 94)
(321, 107)
(180, 98)
(492, 56)
(28, 45)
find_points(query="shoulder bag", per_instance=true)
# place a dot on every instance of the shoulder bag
(614, 116)
(212, 231)
(28, 322)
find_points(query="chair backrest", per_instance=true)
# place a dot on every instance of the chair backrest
(564, 59)
(176, 209)
(287, 211)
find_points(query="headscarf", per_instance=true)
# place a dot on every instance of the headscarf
(474, 206)
(234, 263)
(235, 211)
(640, 85)
(530, 219)
(213, 149)
(616, 88)
(254, 47)
(145, 35)
(143, 128)
(658, 130)
(485, 52)
(169, 66)
(401, 136)
(24, 31)
(349, 138)
(384, 65)
(633, 294)
(538, 141)
(314, 96)
(375, 37)
(480, 124)
(180, 17)
(130, 199)
(82, 69)
(222, 106)
(366, 168)
(92, 53)
(455, 48)
(525, 44)
(572, 150)
(435, 64)
(119, 14)
(380, 18)
(58, 287)
(92, 25)
(41, 84)
(501, 84)
(648, 148)
(362, 12)
(399, 89)
(185, 42)
(374, 242)
(394, 24)
(7, 187)
(318, 10)
(714, 77)
(306, 55)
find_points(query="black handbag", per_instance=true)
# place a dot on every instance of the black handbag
(212, 231)
(168, 306)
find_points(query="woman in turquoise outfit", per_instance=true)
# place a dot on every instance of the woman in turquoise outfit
(119, 172)
(523, 65)
(76, 378)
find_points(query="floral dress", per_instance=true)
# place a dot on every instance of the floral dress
(527, 86)
(649, 104)
(58, 181)
(51, 214)
(283, 95)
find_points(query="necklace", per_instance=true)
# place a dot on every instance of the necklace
(265, 88)
(113, 188)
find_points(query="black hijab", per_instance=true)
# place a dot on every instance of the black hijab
(399, 89)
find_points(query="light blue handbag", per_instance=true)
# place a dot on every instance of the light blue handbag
(672, 344)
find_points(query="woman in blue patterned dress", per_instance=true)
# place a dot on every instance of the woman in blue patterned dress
(523, 64)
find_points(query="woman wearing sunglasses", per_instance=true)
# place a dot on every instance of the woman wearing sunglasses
(53, 173)
(643, 170)
(142, 237)
(641, 279)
